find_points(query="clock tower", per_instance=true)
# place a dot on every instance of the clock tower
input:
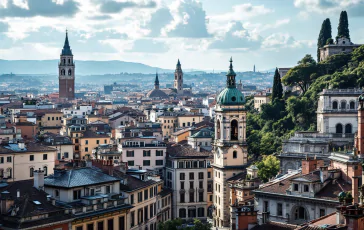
(66, 71)
(229, 147)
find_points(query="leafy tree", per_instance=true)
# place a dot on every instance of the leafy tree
(324, 36)
(170, 224)
(268, 167)
(277, 86)
(343, 28)
(301, 75)
(200, 226)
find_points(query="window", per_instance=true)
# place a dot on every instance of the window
(65, 154)
(235, 154)
(159, 153)
(97, 141)
(192, 176)
(200, 184)
(86, 142)
(159, 162)
(305, 188)
(192, 197)
(131, 163)
(146, 194)
(208, 174)
(348, 128)
(100, 225)
(151, 192)
(295, 187)
(182, 198)
(201, 164)
(1, 160)
(110, 224)
(200, 175)
(49, 118)
(31, 172)
(86, 149)
(343, 105)
(79, 227)
(195, 164)
(188, 164)
(52, 118)
(140, 215)
(181, 165)
(234, 130)
(8, 159)
(182, 185)
(146, 213)
(76, 194)
(322, 212)
(9, 172)
(146, 153)
(45, 156)
(266, 206)
(339, 128)
(90, 226)
(132, 199)
(182, 213)
(200, 212)
(105, 141)
(108, 189)
(279, 209)
(211, 198)
(140, 196)
(146, 163)
(132, 221)
(31, 158)
(56, 193)
(130, 153)
(182, 176)
(200, 197)
(352, 105)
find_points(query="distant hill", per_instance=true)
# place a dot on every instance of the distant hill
(82, 67)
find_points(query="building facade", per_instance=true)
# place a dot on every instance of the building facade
(66, 68)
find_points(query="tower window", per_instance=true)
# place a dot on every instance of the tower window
(69, 61)
(233, 98)
(63, 72)
(64, 61)
(69, 72)
(234, 130)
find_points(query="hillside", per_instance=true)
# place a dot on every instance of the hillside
(82, 67)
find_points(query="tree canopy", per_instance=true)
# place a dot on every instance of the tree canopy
(277, 91)
(343, 28)
(177, 224)
(324, 36)
(268, 167)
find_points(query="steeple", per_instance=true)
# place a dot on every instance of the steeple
(178, 66)
(156, 82)
(230, 76)
(66, 47)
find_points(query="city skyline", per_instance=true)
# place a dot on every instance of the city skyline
(203, 35)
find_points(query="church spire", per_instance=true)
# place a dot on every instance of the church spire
(178, 66)
(230, 76)
(156, 82)
(66, 47)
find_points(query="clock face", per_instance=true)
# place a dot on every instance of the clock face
(245, 209)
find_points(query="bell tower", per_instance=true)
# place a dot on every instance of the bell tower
(66, 71)
(178, 79)
(229, 147)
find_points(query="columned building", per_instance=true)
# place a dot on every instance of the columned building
(66, 69)
(229, 146)
(178, 79)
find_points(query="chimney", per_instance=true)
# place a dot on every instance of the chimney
(309, 165)
(323, 173)
(21, 145)
(39, 179)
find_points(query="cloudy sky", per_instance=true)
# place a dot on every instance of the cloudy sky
(203, 34)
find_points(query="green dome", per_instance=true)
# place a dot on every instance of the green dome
(342, 195)
(230, 96)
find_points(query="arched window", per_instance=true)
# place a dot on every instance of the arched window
(69, 61)
(234, 134)
(339, 128)
(9, 171)
(343, 104)
(300, 214)
(352, 105)
(45, 169)
(334, 105)
(182, 213)
(69, 72)
(63, 72)
(348, 128)
(31, 172)
(64, 61)
(235, 154)
(218, 130)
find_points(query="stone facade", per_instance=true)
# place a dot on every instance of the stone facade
(343, 45)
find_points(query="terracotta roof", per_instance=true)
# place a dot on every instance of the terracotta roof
(132, 183)
(29, 147)
(274, 226)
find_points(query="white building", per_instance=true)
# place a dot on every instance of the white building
(79, 111)
(143, 152)
(186, 174)
(337, 111)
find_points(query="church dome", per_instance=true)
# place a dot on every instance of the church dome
(230, 96)
(157, 93)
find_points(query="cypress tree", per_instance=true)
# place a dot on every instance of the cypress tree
(325, 34)
(277, 91)
(343, 28)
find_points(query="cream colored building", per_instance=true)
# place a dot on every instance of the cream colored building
(19, 161)
(261, 99)
(170, 121)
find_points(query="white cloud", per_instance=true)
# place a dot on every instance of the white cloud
(279, 41)
(354, 7)
(242, 12)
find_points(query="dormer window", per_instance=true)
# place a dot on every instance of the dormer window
(305, 188)
(295, 187)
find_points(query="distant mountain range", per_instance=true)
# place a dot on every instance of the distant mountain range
(82, 67)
